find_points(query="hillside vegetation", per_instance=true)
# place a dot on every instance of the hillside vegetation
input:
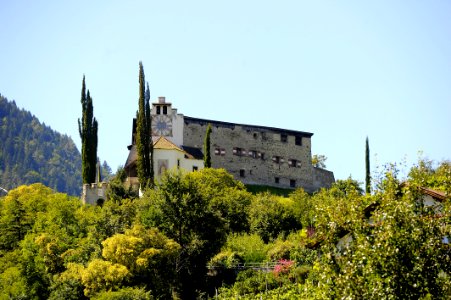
(32, 152)
(201, 234)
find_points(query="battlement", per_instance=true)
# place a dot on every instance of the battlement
(94, 193)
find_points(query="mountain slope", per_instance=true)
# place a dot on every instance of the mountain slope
(32, 152)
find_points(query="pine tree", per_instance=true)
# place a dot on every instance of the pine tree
(207, 153)
(367, 168)
(87, 128)
(143, 137)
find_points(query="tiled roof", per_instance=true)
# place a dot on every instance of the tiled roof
(194, 152)
(438, 195)
(165, 144)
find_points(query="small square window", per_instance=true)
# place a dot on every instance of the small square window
(298, 140)
(239, 151)
(293, 163)
(253, 153)
(284, 138)
(292, 183)
(277, 180)
(242, 173)
(277, 159)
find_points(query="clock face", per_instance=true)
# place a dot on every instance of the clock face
(161, 125)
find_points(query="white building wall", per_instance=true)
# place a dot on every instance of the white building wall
(168, 160)
(177, 128)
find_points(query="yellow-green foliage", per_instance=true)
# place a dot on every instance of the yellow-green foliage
(102, 275)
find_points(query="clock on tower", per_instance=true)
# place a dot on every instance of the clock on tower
(161, 125)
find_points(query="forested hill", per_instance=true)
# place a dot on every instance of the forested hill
(32, 152)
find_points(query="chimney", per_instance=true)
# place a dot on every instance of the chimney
(161, 100)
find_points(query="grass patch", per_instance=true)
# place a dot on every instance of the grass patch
(255, 189)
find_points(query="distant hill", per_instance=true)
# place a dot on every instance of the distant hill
(32, 152)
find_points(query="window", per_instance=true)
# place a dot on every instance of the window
(255, 135)
(242, 172)
(261, 155)
(195, 168)
(253, 153)
(178, 163)
(284, 138)
(293, 163)
(239, 151)
(158, 110)
(277, 159)
(276, 180)
(219, 151)
(165, 110)
(298, 140)
(292, 183)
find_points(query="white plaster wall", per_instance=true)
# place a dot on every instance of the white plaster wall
(177, 128)
(172, 156)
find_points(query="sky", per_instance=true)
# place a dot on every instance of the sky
(343, 70)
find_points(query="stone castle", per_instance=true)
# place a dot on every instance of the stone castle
(255, 155)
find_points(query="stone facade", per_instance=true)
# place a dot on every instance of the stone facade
(257, 155)
(94, 193)
(260, 155)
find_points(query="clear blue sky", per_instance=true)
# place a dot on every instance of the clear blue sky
(343, 70)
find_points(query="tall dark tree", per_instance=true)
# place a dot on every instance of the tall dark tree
(87, 128)
(149, 130)
(143, 136)
(207, 152)
(367, 168)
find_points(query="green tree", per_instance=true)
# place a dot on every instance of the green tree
(367, 168)
(319, 161)
(149, 130)
(207, 153)
(87, 128)
(179, 209)
(143, 136)
(270, 216)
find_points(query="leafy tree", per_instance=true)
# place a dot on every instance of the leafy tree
(319, 161)
(270, 216)
(143, 137)
(367, 168)
(147, 254)
(179, 209)
(12, 284)
(100, 275)
(116, 190)
(124, 294)
(226, 195)
(398, 254)
(207, 153)
(87, 128)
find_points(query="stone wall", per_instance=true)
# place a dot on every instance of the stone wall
(94, 193)
(322, 178)
(257, 154)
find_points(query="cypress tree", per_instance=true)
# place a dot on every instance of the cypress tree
(143, 134)
(87, 128)
(207, 153)
(149, 135)
(367, 168)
